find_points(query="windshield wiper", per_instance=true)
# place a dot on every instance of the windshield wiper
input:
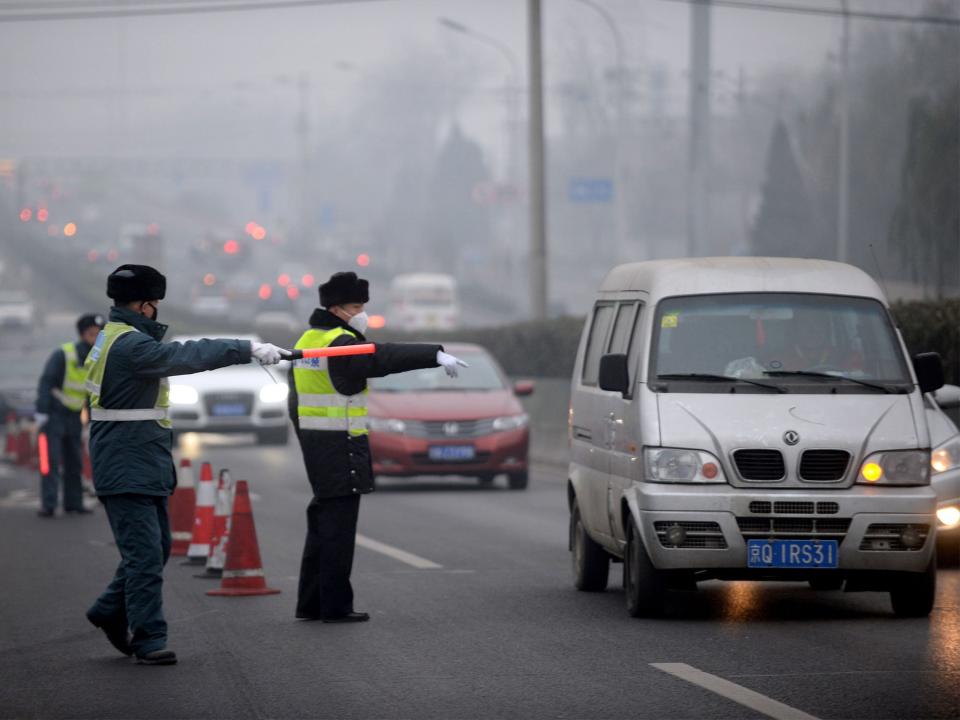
(828, 376)
(720, 378)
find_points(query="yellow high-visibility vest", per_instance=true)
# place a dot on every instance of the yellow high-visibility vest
(320, 406)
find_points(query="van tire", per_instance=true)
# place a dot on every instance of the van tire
(644, 585)
(518, 480)
(591, 563)
(913, 594)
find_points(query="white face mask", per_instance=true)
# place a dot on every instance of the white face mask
(359, 321)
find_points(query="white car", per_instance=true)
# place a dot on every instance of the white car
(235, 399)
(16, 308)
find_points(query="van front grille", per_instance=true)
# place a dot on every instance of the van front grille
(824, 465)
(758, 527)
(760, 465)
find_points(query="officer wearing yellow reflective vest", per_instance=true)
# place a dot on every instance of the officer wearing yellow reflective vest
(131, 446)
(328, 406)
(61, 396)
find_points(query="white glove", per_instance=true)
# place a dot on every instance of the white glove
(40, 419)
(267, 354)
(449, 363)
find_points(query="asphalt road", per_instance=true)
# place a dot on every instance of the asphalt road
(496, 630)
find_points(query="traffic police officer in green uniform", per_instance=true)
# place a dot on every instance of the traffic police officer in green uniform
(61, 396)
(131, 450)
(328, 407)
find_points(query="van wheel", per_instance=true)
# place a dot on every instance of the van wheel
(591, 564)
(914, 593)
(643, 584)
(827, 583)
(518, 481)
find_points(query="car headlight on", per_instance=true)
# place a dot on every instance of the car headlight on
(390, 425)
(946, 456)
(511, 422)
(274, 393)
(183, 395)
(897, 467)
(949, 517)
(676, 465)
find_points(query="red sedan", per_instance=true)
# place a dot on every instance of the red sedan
(424, 423)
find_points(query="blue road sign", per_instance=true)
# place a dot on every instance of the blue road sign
(590, 190)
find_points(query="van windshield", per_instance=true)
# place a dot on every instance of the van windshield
(782, 338)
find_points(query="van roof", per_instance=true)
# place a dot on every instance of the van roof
(702, 276)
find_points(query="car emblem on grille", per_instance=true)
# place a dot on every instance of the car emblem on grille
(451, 428)
(791, 437)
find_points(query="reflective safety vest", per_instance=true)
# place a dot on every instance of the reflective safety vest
(320, 406)
(95, 366)
(73, 393)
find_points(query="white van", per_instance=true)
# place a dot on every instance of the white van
(750, 418)
(424, 301)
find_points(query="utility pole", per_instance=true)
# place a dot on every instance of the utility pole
(843, 169)
(538, 219)
(698, 151)
(303, 143)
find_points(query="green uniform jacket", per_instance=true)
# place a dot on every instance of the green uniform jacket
(136, 457)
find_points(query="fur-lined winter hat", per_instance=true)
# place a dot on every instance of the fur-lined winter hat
(136, 282)
(343, 288)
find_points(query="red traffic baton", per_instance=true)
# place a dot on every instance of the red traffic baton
(43, 451)
(338, 351)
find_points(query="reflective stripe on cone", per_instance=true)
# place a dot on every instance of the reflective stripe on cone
(243, 570)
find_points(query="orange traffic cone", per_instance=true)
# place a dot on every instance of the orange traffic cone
(182, 506)
(243, 570)
(203, 518)
(23, 446)
(221, 528)
(10, 433)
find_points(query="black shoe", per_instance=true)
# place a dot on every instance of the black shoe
(117, 634)
(158, 657)
(79, 511)
(351, 617)
(44, 513)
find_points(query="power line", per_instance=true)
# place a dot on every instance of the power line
(183, 7)
(807, 10)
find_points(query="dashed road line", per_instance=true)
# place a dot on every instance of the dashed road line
(737, 693)
(396, 553)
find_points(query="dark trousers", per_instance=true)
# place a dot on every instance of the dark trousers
(63, 448)
(325, 589)
(142, 530)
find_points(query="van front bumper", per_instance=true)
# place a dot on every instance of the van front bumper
(866, 522)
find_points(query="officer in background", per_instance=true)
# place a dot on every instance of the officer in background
(61, 396)
(131, 449)
(328, 407)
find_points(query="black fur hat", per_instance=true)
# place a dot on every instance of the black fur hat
(136, 282)
(343, 288)
(90, 320)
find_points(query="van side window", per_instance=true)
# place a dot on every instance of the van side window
(636, 345)
(622, 328)
(596, 343)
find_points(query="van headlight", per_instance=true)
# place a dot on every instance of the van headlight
(274, 393)
(389, 425)
(945, 456)
(183, 395)
(897, 467)
(510, 422)
(676, 465)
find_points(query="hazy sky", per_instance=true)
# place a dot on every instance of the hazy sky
(118, 85)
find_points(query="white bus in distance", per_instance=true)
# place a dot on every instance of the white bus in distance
(424, 301)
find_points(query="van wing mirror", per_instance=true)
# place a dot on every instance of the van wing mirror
(948, 397)
(614, 374)
(929, 369)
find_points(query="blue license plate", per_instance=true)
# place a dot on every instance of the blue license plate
(228, 409)
(452, 453)
(792, 553)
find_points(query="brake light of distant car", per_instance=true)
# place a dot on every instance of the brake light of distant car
(946, 456)
(511, 422)
(274, 393)
(677, 465)
(949, 516)
(183, 395)
(389, 425)
(898, 467)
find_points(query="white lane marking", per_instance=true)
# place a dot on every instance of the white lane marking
(396, 553)
(739, 694)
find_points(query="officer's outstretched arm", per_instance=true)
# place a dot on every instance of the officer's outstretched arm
(389, 358)
(155, 359)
